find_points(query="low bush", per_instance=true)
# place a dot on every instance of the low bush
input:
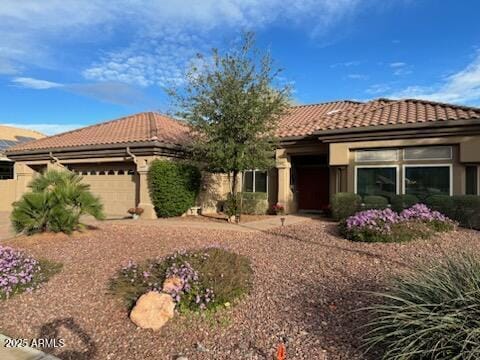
(344, 205)
(431, 313)
(440, 203)
(462, 208)
(466, 210)
(56, 202)
(20, 272)
(375, 202)
(211, 278)
(231, 207)
(401, 202)
(386, 225)
(174, 186)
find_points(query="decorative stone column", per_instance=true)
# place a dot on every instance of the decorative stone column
(145, 202)
(285, 195)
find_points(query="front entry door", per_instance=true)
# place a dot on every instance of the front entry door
(313, 188)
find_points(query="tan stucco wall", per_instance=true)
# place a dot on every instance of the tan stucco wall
(8, 190)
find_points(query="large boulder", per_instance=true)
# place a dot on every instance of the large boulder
(153, 310)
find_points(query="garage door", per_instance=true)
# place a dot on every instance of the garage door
(116, 185)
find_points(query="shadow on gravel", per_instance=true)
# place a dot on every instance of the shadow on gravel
(331, 229)
(331, 312)
(51, 331)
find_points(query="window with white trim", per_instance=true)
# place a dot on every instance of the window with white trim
(255, 181)
(426, 180)
(380, 181)
(428, 153)
(376, 155)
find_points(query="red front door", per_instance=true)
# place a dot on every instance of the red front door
(313, 188)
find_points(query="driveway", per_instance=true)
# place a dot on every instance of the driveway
(5, 229)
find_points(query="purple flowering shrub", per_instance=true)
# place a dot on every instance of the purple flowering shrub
(386, 225)
(209, 278)
(20, 272)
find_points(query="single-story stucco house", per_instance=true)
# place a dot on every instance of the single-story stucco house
(9, 137)
(379, 147)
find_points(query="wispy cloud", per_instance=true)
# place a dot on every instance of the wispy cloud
(400, 68)
(157, 37)
(47, 129)
(110, 91)
(461, 87)
(345, 64)
(37, 84)
(357, 76)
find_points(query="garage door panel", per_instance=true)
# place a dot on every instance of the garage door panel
(117, 189)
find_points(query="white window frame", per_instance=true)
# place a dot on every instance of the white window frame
(404, 171)
(254, 171)
(397, 172)
(429, 159)
(397, 158)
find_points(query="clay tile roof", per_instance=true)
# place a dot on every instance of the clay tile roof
(141, 127)
(398, 112)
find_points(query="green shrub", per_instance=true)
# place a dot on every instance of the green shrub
(466, 210)
(345, 205)
(254, 203)
(441, 203)
(174, 186)
(462, 208)
(213, 273)
(56, 202)
(431, 313)
(231, 207)
(401, 202)
(375, 202)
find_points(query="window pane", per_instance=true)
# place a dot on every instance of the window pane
(376, 155)
(377, 181)
(425, 181)
(471, 180)
(260, 181)
(248, 187)
(428, 153)
(6, 170)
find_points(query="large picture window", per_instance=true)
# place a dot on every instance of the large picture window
(424, 181)
(255, 181)
(381, 181)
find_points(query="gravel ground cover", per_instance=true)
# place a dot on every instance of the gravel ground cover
(307, 283)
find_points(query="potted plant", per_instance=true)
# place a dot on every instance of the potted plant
(279, 209)
(135, 212)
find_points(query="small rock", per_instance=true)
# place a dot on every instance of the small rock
(172, 284)
(200, 347)
(181, 358)
(152, 310)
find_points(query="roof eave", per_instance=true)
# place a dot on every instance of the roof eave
(329, 135)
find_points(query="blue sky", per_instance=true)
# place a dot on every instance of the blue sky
(70, 63)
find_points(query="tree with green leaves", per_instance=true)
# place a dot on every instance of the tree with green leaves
(55, 203)
(232, 101)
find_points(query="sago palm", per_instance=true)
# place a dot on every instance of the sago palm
(56, 202)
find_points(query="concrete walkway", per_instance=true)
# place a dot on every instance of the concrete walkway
(21, 353)
(203, 223)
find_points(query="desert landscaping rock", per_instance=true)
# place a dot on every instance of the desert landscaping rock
(153, 310)
(306, 267)
(172, 284)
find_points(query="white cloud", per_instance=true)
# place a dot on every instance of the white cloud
(357, 76)
(461, 87)
(146, 42)
(397, 64)
(377, 89)
(47, 129)
(110, 91)
(31, 83)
